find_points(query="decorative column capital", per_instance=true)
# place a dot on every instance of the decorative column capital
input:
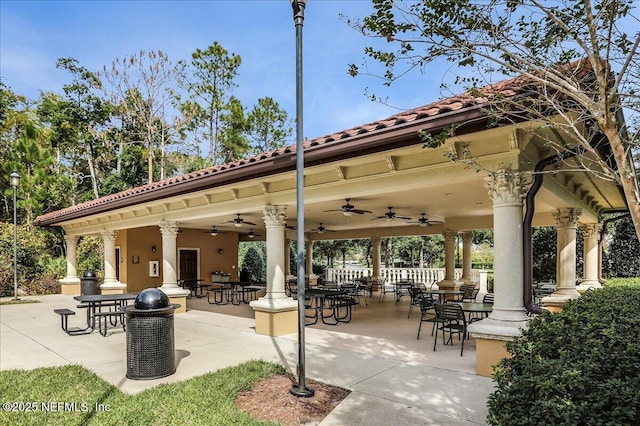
(70, 240)
(275, 215)
(109, 235)
(169, 229)
(375, 241)
(567, 217)
(590, 229)
(508, 186)
(467, 237)
(450, 234)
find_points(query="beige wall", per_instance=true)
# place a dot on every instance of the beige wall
(210, 258)
(139, 241)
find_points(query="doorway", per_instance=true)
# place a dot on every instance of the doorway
(188, 264)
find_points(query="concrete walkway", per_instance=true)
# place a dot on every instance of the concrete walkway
(384, 390)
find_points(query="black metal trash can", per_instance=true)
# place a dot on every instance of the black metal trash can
(89, 283)
(150, 336)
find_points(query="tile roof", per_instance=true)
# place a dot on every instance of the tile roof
(453, 104)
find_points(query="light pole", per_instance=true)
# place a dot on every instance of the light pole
(298, 18)
(14, 180)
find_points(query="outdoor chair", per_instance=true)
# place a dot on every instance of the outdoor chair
(401, 289)
(427, 313)
(386, 288)
(468, 293)
(487, 298)
(450, 319)
(416, 294)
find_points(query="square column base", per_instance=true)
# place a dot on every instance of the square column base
(70, 289)
(112, 291)
(276, 323)
(489, 352)
(180, 300)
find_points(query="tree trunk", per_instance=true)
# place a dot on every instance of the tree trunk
(627, 179)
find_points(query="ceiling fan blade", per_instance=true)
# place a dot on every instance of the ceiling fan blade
(360, 211)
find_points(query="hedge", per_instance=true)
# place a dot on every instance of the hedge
(577, 367)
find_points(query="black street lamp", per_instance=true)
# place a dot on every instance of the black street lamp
(300, 389)
(14, 180)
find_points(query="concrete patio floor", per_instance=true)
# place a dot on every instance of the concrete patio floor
(393, 378)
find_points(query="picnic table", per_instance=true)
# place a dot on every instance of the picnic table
(339, 303)
(95, 305)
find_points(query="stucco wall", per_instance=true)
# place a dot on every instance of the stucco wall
(210, 258)
(137, 244)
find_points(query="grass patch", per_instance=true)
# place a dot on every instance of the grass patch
(202, 400)
(18, 302)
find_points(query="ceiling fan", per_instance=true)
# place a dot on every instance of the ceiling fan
(213, 231)
(238, 221)
(348, 209)
(321, 229)
(424, 221)
(287, 226)
(390, 215)
(252, 234)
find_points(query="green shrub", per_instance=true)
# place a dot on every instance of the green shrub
(577, 367)
(254, 264)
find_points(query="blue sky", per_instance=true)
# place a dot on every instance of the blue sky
(34, 34)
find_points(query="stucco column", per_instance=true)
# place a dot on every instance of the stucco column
(110, 283)
(590, 232)
(275, 312)
(467, 238)
(287, 258)
(449, 280)
(70, 284)
(566, 224)
(507, 188)
(375, 260)
(308, 267)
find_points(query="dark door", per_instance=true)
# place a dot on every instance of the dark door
(118, 263)
(188, 265)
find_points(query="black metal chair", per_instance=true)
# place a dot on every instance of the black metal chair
(488, 298)
(427, 313)
(450, 319)
(401, 289)
(468, 293)
(385, 288)
(416, 294)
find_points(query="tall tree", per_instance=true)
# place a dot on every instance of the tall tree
(209, 83)
(268, 126)
(145, 83)
(580, 55)
(77, 121)
(233, 144)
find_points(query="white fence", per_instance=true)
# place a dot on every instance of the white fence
(392, 275)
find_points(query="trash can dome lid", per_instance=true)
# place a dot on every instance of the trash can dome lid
(151, 298)
(89, 274)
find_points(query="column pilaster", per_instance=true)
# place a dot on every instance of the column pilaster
(275, 312)
(110, 283)
(449, 280)
(566, 224)
(590, 232)
(70, 284)
(467, 239)
(507, 188)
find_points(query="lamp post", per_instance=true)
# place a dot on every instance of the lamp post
(14, 180)
(298, 18)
